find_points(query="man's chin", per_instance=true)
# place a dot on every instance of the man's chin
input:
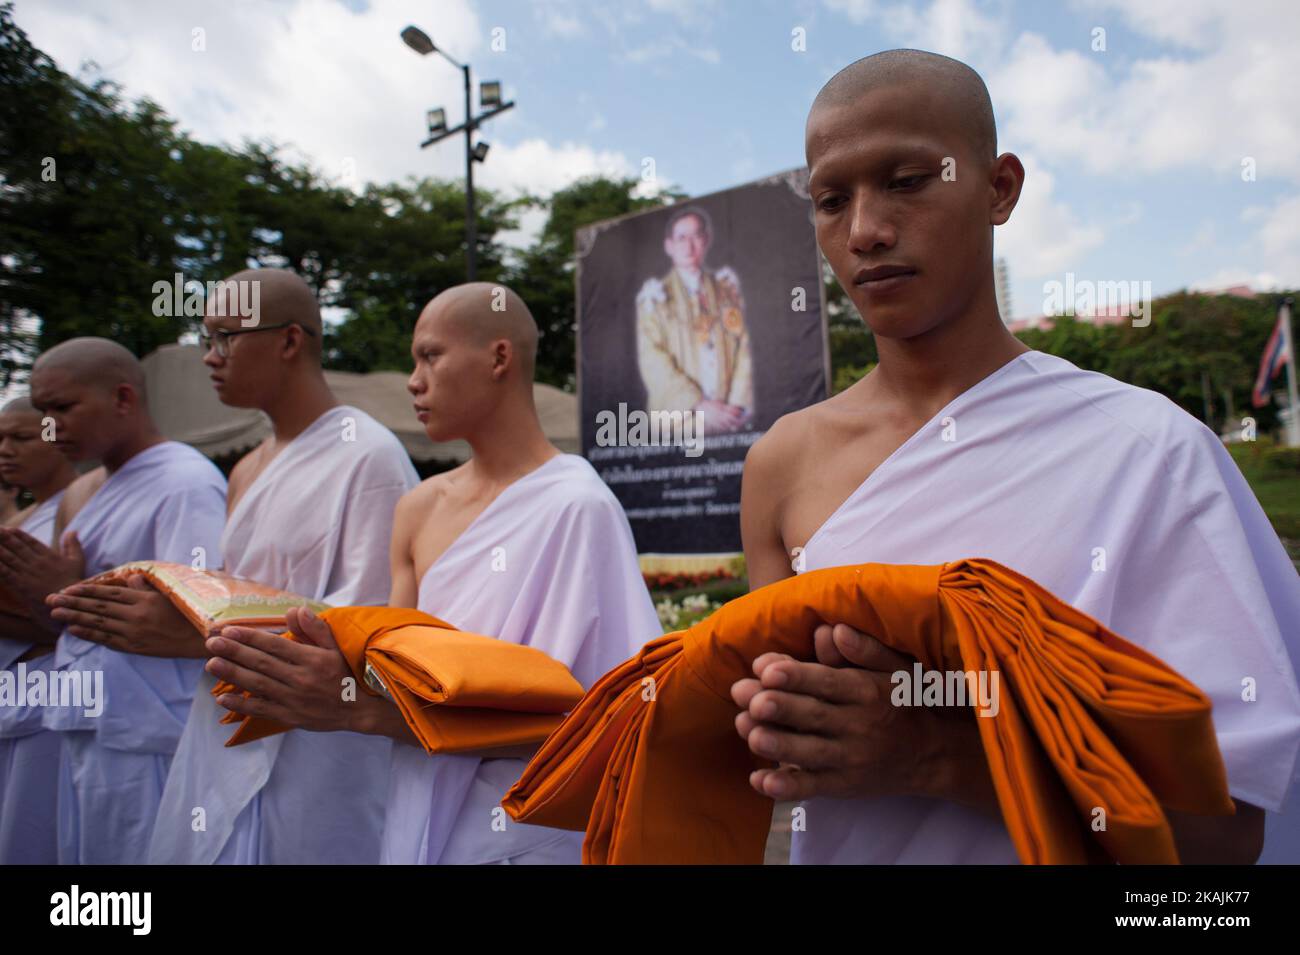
(898, 323)
(441, 435)
(233, 400)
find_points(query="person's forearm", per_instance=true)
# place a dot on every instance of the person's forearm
(954, 767)
(376, 716)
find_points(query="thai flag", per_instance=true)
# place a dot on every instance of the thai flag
(1276, 354)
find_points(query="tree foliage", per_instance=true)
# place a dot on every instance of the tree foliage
(100, 198)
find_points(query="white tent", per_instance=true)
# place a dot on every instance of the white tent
(186, 408)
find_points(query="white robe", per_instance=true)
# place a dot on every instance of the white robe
(318, 522)
(166, 503)
(29, 754)
(551, 564)
(1059, 473)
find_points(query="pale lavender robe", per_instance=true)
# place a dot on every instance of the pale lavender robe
(551, 564)
(29, 754)
(166, 503)
(317, 522)
(1057, 473)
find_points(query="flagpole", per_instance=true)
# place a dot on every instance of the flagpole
(1293, 420)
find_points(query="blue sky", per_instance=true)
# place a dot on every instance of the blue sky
(1134, 152)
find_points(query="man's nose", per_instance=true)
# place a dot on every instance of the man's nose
(415, 384)
(869, 229)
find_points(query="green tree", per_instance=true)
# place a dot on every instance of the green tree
(406, 243)
(84, 242)
(544, 273)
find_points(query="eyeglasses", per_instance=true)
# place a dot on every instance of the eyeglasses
(220, 339)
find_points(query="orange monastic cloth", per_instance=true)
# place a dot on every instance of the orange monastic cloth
(651, 766)
(457, 691)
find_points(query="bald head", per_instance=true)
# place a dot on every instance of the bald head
(20, 405)
(951, 80)
(96, 361)
(484, 312)
(280, 295)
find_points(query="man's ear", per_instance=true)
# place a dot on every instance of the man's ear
(294, 341)
(126, 398)
(1006, 180)
(503, 357)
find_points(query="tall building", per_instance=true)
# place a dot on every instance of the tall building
(1002, 284)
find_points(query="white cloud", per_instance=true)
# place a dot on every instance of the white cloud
(955, 28)
(858, 11)
(1213, 90)
(1189, 23)
(694, 13)
(536, 166)
(335, 82)
(1226, 278)
(560, 19)
(663, 48)
(1205, 88)
(1279, 233)
(1044, 237)
(1274, 257)
(1162, 112)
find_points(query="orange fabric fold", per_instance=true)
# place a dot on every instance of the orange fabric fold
(651, 766)
(457, 691)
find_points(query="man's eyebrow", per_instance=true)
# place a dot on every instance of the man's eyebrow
(874, 158)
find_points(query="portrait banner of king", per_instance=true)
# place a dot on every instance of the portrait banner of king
(699, 324)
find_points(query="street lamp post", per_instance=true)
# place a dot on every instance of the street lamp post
(490, 96)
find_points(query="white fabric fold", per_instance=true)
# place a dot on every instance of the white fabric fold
(1122, 505)
(317, 522)
(551, 564)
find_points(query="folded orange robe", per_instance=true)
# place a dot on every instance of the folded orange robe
(651, 766)
(457, 691)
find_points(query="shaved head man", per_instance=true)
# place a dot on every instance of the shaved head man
(310, 511)
(286, 328)
(29, 754)
(27, 461)
(484, 341)
(913, 132)
(962, 442)
(521, 542)
(159, 500)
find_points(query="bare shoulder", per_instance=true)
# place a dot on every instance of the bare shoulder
(425, 496)
(243, 473)
(793, 435)
(81, 490)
